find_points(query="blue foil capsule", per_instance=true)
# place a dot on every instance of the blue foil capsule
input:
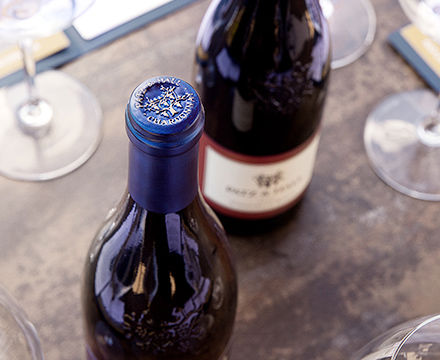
(164, 116)
(164, 122)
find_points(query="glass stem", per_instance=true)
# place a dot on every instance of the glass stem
(429, 129)
(436, 114)
(26, 46)
(34, 115)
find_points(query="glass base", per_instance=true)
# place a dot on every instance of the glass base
(18, 337)
(352, 27)
(400, 151)
(73, 135)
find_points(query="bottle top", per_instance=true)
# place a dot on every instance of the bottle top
(164, 116)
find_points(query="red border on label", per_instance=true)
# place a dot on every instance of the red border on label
(208, 141)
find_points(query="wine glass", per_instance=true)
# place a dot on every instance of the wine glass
(352, 27)
(402, 134)
(18, 337)
(417, 339)
(49, 124)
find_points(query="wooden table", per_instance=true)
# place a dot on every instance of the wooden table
(356, 259)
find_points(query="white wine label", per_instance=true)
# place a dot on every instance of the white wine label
(255, 187)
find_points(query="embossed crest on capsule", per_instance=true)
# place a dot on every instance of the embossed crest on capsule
(171, 103)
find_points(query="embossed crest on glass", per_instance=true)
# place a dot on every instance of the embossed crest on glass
(50, 124)
(417, 339)
(402, 134)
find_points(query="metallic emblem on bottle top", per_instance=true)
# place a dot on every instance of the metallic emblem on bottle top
(165, 102)
(164, 114)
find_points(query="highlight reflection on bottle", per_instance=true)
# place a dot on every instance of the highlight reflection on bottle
(159, 281)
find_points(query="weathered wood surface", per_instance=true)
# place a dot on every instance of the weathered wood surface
(356, 259)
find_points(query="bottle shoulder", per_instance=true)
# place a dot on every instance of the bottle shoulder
(275, 35)
(263, 77)
(195, 223)
(152, 273)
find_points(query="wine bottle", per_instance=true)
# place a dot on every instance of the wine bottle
(159, 281)
(262, 71)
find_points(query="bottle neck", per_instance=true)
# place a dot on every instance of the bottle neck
(163, 184)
